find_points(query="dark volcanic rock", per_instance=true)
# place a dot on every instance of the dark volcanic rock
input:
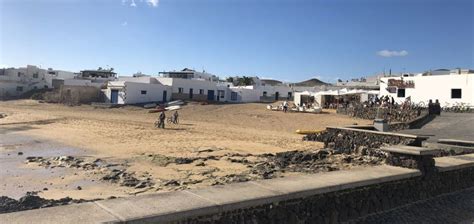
(348, 141)
(309, 162)
(32, 201)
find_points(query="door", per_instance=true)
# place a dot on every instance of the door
(277, 96)
(220, 95)
(190, 93)
(165, 96)
(114, 96)
(210, 95)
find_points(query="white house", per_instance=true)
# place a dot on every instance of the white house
(133, 90)
(370, 82)
(16, 81)
(449, 89)
(244, 94)
(190, 74)
(91, 78)
(60, 74)
(194, 89)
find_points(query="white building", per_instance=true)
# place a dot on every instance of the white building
(194, 89)
(16, 81)
(95, 78)
(133, 90)
(449, 89)
(60, 74)
(260, 93)
(370, 82)
(244, 94)
(190, 74)
(90, 78)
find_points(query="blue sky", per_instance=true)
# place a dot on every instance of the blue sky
(283, 39)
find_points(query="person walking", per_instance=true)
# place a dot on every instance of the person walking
(162, 118)
(285, 106)
(175, 117)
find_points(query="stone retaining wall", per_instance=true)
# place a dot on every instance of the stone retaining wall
(349, 141)
(347, 205)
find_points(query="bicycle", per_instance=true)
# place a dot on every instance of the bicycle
(172, 120)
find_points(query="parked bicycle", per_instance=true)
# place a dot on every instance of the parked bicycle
(457, 108)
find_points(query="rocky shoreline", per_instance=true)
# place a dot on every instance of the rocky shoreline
(263, 166)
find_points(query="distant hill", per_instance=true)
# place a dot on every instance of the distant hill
(311, 82)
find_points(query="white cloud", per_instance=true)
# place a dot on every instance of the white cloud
(388, 53)
(133, 3)
(124, 23)
(152, 3)
(3, 66)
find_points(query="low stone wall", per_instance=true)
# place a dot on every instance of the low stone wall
(426, 164)
(74, 95)
(347, 205)
(417, 122)
(349, 140)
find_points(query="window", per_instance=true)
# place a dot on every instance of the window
(264, 93)
(191, 93)
(201, 92)
(35, 75)
(143, 92)
(456, 93)
(289, 95)
(19, 88)
(401, 93)
(233, 96)
(19, 74)
(180, 90)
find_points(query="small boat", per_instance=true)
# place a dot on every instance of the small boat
(173, 108)
(157, 110)
(315, 110)
(150, 105)
(271, 107)
(175, 103)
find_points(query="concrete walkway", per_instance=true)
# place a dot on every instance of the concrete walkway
(447, 126)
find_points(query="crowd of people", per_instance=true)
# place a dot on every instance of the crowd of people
(382, 101)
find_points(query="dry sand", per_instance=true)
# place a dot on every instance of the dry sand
(127, 135)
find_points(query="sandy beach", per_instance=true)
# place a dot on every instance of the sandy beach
(212, 135)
